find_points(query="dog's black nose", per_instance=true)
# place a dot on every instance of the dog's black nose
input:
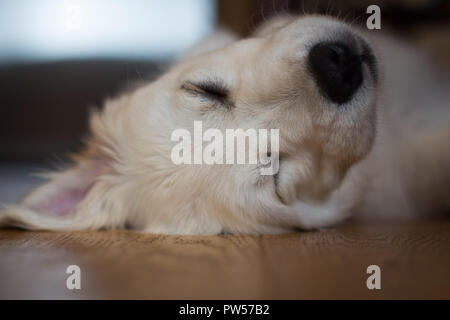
(337, 70)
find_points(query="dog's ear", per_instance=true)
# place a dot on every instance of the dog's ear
(66, 189)
(83, 196)
(73, 199)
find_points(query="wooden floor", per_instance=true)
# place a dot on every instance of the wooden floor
(414, 258)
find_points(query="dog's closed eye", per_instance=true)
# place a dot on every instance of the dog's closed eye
(211, 90)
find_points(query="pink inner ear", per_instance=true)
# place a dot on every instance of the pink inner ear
(65, 190)
(64, 202)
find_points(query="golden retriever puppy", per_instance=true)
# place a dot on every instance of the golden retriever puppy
(364, 127)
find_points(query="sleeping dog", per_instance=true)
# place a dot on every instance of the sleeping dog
(364, 128)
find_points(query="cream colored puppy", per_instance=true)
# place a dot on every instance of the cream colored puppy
(364, 127)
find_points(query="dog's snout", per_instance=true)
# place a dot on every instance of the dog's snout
(337, 70)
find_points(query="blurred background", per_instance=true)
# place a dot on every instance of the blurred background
(60, 58)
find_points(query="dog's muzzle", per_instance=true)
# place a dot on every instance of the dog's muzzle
(337, 68)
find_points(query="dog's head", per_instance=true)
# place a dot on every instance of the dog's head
(313, 78)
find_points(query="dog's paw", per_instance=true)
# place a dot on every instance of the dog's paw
(319, 216)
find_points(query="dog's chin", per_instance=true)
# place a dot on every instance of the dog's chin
(317, 198)
(310, 179)
(319, 190)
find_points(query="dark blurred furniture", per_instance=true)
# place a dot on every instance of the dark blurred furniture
(44, 107)
(402, 16)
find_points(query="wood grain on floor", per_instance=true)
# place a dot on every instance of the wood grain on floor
(414, 258)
